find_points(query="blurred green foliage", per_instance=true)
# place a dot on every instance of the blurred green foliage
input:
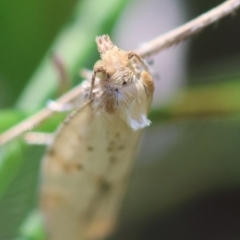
(27, 30)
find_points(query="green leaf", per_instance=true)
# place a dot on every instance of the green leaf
(212, 100)
(11, 159)
(75, 44)
(32, 228)
(10, 117)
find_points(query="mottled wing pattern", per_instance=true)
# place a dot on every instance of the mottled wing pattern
(85, 173)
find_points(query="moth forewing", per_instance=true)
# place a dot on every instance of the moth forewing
(87, 167)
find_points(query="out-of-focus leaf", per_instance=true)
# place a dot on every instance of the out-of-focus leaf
(205, 101)
(11, 159)
(222, 97)
(19, 185)
(10, 117)
(75, 45)
(21, 50)
(32, 228)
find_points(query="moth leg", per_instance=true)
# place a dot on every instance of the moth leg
(144, 64)
(97, 69)
(38, 138)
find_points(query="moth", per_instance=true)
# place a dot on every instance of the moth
(87, 167)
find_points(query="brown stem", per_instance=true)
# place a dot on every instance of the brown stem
(187, 30)
(39, 117)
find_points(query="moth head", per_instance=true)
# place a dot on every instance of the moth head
(114, 68)
(113, 74)
(122, 91)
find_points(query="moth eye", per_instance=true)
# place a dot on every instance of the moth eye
(124, 83)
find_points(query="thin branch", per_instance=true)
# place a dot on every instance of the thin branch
(152, 47)
(187, 30)
(39, 117)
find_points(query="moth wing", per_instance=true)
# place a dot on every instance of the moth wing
(63, 179)
(76, 200)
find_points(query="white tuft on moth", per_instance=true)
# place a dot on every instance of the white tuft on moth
(87, 166)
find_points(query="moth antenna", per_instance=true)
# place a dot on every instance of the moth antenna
(104, 44)
(144, 64)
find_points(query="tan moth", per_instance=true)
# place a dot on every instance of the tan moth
(87, 167)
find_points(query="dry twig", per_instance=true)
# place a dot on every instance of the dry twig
(187, 30)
